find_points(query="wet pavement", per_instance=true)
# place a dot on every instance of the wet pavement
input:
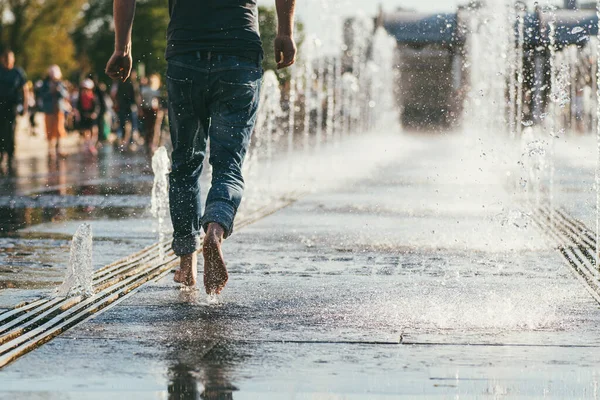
(417, 276)
(43, 201)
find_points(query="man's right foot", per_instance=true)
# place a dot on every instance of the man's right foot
(188, 270)
(215, 271)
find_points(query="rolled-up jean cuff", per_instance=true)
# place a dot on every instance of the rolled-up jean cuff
(221, 212)
(186, 245)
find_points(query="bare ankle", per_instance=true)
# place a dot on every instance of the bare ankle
(214, 233)
(188, 259)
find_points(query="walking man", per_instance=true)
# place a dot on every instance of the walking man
(214, 74)
(13, 100)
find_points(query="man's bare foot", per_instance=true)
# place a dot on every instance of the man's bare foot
(215, 271)
(188, 270)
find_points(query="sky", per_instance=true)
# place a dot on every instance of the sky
(318, 14)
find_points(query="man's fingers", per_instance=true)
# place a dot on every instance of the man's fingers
(289, 57)
(112, 74)
(118, 68)
(277, 54)
(112, 70)
(124, 74)
(286, 63)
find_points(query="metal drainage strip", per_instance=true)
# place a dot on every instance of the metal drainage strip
(28, 326)
(575, 242)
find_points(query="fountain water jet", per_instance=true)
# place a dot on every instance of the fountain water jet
(160, 194)
(553, 96)
(78, 279)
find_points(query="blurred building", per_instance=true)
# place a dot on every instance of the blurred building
(433, 54)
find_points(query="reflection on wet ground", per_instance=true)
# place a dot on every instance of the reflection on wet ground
(112, 186)
(108, 169)
(14, 219)
(202, 368)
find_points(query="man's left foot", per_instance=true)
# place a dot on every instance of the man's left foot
(188, 270)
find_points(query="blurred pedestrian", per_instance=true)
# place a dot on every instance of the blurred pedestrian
(54, 102)
(37, 86)
(152, 112)
(32, 107)
(100, 92)
(88, 109)
(126, 96)
(13, 101)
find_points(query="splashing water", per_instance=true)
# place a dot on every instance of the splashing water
(78, 279)
(343, 85)
(160, 193)
(382, 104)
(212, 299)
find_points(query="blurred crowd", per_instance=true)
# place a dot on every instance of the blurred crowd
(127, 116)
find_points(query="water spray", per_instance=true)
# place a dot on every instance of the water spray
(78, 279)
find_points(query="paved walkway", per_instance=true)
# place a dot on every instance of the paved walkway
(418, 279)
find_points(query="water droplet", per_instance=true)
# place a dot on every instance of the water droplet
(577, 29)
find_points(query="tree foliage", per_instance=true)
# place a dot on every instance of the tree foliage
(39, 32)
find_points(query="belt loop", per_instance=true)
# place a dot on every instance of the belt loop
(198, 55)
(209, 55)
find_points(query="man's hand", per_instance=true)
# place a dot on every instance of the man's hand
(285, 51)
(119, 65)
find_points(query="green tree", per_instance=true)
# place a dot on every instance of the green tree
(94, 36)
(38, 32)
(149, 34)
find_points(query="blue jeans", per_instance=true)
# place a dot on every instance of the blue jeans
(214, 97)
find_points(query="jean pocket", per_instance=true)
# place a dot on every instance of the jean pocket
(180, 95)
(239, 97)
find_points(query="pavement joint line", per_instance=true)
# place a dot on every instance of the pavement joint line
(359, 342)
(125, 278)
(460, 344)
(283, 341)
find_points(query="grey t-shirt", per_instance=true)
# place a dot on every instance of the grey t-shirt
(221, 26)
